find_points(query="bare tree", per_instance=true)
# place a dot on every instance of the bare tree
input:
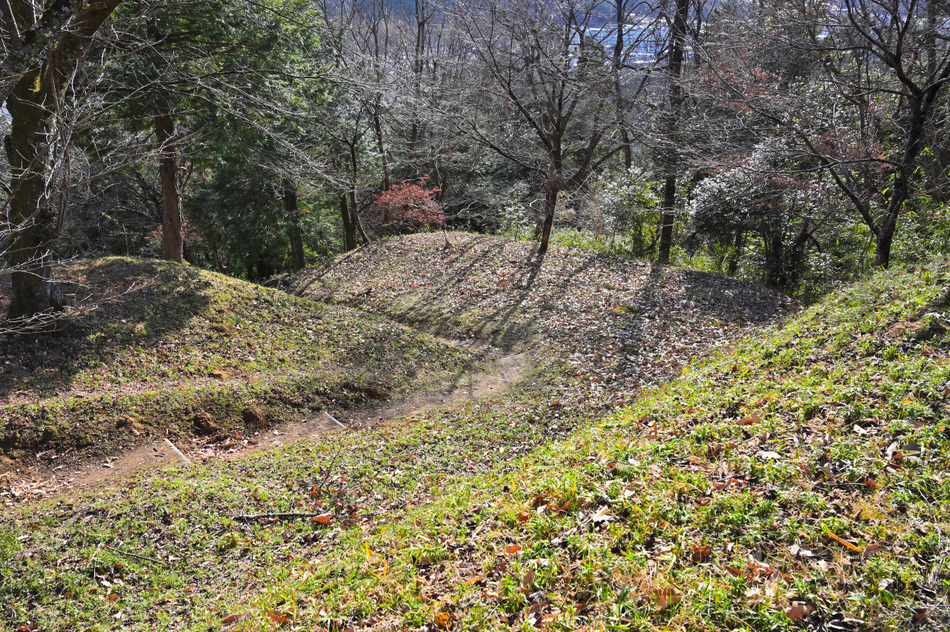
(544, 69)
(860, 104)
(677, 53)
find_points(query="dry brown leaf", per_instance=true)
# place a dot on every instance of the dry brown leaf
(799, 610)
(475, 579)
(601, 515)
(443, 620)
(538, 501)
(871, 549)
(527, 580)
(748, 421)
(701, 553)
(666, 597)
(278, 617)
(514, 548)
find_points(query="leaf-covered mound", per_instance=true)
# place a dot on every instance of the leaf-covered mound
(161, 348)
(639, 322)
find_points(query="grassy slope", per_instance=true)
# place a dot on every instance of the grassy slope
(797, 480)
(799, 477)
(165, 342)
(801, 473)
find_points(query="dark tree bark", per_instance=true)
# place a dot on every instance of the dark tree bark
(28, 41)
(380, 146)
(66, 30)
(355, 217)
(669, 212)
(774, 258)
(736, 253)
(298, 259)
(30, 211)
(677, 51)
(920, 105)
(552, 187)
(172, 238)
(349, 229)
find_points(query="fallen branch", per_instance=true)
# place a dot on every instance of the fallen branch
(177, 451)
(276, 516)
(136, 556)
(334, 420)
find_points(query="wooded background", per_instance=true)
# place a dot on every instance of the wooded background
(795, 144)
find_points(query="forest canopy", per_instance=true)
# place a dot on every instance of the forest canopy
(798, 145)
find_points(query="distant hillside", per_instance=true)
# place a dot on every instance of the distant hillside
(161, 348)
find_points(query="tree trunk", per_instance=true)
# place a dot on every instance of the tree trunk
(669, 214)
(172, 240)
(355, 218)
(552, 187)
(885, 236)
(774, 259)
(677, 52)
(32, 107)
(900, 189)
(378, 128)
(349, 229)
(30, 213)
(796, 259)
(619, 102)
(298, 261)
(736, 253)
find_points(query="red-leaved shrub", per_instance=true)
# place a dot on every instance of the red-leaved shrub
(406, 208)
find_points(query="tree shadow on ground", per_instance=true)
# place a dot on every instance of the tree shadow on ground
(730, 299)
(638, 322)
(499, 316)
(120, 303)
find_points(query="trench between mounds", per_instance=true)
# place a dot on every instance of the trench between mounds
(29, 484)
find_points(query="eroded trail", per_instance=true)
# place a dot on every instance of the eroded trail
(28, 484)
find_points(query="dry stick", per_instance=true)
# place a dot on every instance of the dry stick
(334, 420)
(293, 515)
(326, 475)
(177, 451)
(276, 516)
(138, 557)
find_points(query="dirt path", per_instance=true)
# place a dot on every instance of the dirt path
(25, 485)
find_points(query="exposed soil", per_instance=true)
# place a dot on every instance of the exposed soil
(21, 484)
